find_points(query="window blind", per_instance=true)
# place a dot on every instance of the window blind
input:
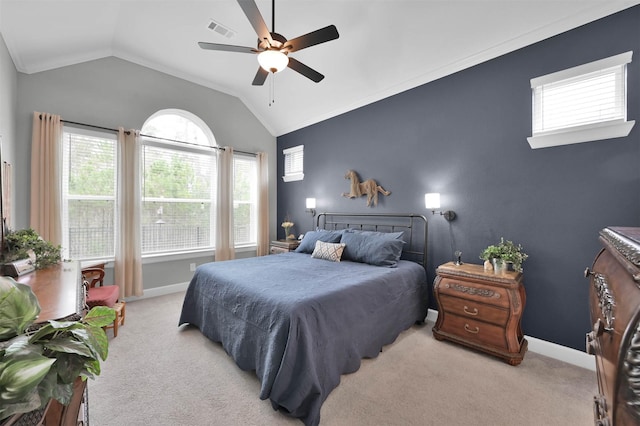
(293, 163)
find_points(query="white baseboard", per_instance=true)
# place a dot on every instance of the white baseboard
(159, 291)
(552, 350)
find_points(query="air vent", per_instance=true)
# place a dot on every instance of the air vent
(221, 29)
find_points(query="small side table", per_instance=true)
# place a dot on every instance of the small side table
(481, 310)
(283, 246)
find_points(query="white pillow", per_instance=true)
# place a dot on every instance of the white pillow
(328, 251)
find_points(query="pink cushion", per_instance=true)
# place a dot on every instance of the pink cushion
(103, 296)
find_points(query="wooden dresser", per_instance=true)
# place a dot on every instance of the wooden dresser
(481, 309)
(283, 246)
(614, 302)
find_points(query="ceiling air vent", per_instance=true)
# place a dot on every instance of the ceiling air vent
(221, 29)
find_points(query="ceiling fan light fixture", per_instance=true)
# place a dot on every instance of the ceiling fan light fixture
(273, 60)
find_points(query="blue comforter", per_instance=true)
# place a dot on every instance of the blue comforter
(301, 322)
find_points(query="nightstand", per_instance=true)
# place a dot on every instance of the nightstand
(481, 310)
(283, 246)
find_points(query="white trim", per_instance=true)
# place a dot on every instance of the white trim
(159, 291)
(611, 61)
(579, 134)
(293, 177)
(552, 350)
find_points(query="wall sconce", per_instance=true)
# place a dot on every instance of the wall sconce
(432, 202)
(311, 206)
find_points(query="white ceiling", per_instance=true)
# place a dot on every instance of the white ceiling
(385, 47)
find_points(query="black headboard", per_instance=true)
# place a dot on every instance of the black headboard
(414, 225)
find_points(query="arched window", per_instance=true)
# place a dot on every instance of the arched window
(178, 183)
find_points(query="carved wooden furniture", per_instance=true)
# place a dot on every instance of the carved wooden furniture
(99, 294)
(614, 300)
(481, 310)
(283, 246)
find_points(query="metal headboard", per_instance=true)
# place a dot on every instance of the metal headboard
(414, 225)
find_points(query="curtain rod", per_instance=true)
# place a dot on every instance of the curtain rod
(153, 137)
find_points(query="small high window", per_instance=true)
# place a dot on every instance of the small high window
(581, 104)
(293, 163)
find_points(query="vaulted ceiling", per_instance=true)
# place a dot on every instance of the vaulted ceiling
(385, 47)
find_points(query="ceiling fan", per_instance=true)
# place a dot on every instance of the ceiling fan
(273, 48)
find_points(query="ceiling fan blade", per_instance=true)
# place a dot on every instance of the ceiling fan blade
(252, 12)
(310, 73)
(226, 47)
(260, 77)
(311, 39)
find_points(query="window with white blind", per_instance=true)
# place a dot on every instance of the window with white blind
(89, 191)
(245, 199)
(178, 184)
(293, 163)
(581, 104)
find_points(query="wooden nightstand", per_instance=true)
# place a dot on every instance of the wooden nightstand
(283, 246)
(481, 310)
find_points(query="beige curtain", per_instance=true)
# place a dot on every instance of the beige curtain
(46, 179)
(128, 262)
(224, 206)
(263, 205)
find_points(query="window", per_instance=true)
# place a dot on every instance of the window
(178, 184)
(245, 199)
(581, 104)
(89, 189)
(293, 163)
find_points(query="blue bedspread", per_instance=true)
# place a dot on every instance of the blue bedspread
(301, 322)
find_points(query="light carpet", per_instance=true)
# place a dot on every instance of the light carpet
(161, 374)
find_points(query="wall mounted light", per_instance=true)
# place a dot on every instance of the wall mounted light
(432, 202)
(311, 206)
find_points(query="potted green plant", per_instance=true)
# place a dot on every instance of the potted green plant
(18, 244)
(504, 252)
(42, 362)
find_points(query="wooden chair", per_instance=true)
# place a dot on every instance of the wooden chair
(99, 294)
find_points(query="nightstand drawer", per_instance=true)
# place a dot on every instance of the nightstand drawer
(478, 311)
(491, 295)
(475, 331)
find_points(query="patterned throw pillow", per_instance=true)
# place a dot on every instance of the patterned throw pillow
(328, 251)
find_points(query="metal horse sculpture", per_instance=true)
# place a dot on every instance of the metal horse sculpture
(369, 188)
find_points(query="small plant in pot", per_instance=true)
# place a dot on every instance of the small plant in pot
(42, 362)
(505, 252)
(19, 243)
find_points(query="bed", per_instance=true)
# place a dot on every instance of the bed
(301, 321)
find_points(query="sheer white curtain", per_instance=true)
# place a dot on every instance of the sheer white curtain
(263, 205)
(46, 177)
(225, 249)
(128, 258)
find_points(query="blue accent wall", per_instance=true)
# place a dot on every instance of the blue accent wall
(464, 136)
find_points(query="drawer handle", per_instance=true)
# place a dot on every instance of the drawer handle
(468, 312)
(468, 329)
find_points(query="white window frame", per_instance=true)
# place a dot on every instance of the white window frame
(66, 196)
(293, 163)
(598, 130)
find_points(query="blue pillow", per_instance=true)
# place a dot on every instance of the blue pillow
(308, 243)
(372, 249)
(388, 235)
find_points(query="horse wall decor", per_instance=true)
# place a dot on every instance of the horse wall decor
(369, 188)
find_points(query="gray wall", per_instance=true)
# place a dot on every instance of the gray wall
(8, 101)
(465, 137)
(111, 92)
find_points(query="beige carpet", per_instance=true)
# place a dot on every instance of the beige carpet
(160, 374)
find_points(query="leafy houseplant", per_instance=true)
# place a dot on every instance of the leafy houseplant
(507, 251)
(18, 243)
(40, 362)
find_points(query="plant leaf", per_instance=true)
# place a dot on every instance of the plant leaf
(18, 307)
(62, 343)
(21, 374)
(100, 316)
